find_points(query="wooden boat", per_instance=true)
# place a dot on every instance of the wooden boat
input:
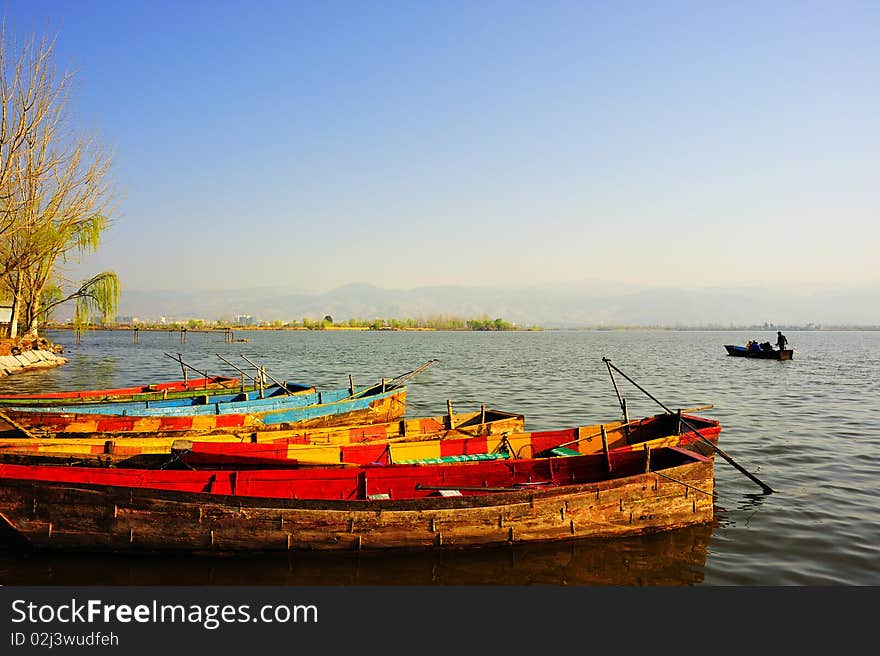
(490, 433)
(320, 444)
(283, 410)
(652, 432)
(773, 354)
(376, 403)
(219, 402)
(192, 395)
(451, 505)
(154, 391)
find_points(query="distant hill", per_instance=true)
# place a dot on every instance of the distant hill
(587, 304)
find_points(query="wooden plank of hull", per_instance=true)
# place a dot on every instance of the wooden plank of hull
(108, 518)
(381, 408)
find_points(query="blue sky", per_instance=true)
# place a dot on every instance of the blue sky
(402, 144)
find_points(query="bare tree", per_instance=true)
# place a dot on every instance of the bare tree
(54, 191)
(23, 80)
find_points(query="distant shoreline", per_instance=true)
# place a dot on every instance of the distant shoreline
(177, 329)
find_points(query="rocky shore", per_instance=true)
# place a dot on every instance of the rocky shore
(18, 355)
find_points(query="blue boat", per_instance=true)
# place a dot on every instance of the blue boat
(383, 401)
(378, 403)
(273, 398)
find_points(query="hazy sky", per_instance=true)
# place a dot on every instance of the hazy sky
(314, 144)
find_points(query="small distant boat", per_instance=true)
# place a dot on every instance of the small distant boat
(772, 354)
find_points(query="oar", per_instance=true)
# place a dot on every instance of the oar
(17, 426)
(263, 370)
(394, 383)
(184, 366)
(241, 371)
(767, 489)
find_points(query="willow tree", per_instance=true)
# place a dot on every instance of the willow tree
(54, 193)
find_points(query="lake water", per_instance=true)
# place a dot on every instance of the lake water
(809, 428)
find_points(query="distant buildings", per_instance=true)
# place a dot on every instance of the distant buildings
(244, 320)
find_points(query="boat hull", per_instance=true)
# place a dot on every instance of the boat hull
(216, 403)
(328, 444)
(156, 391)
(380, 407)
(742, 352)
(424, 439)
(496, 441)
(631, 501)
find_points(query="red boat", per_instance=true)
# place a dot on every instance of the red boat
(139, 392)
(641, 486)
(658, 430)
(280, 412)
(453, 505)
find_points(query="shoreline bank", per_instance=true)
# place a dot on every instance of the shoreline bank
(17, 356)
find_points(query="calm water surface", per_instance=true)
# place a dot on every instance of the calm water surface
(808, 428)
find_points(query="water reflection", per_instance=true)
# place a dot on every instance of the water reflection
(670, 558)
(752, 501)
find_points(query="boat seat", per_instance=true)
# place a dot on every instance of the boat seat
(563, 451)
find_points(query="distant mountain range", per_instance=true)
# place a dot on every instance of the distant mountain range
(586, 304)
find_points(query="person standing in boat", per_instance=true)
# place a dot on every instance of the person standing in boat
(781, 340)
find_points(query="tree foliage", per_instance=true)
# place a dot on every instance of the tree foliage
(54, 191)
